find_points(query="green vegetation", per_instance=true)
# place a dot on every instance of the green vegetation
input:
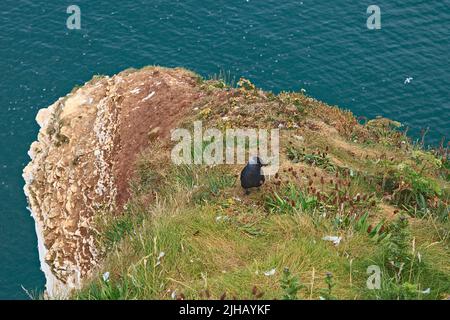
(290, 285)
(188, 232)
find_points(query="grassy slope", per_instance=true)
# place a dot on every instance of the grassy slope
(337, 177)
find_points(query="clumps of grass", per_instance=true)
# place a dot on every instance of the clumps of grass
(417, 183)
(427, 161)
(146, 178)
(34, 294)
(342, 120)
(185, 175)
(198, 184)
(236, 214)
(334, 198)
(413, 184)
(210, 186)
(403, 268)
(213, 187)
(390, 290)
(418, 194)
(377, 233)
(345, 201)
(224, 79)
(116, 230)
(137, 264)
(218, 182)
(289, 99)
(105, 290)
(408, 270)
(315, 158)
(290, 200)
(149, 175)
(385, 131)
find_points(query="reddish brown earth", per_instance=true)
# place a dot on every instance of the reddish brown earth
(145, 116)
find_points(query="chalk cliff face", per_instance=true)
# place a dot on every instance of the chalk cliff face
(83, 157)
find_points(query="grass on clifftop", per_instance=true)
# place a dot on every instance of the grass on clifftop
(188, 232)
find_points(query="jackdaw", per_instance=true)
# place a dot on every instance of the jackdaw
(251, 175)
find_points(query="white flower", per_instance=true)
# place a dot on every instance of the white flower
(336, 240)
(426, 291)
(270, 272)
(222, 218)
(106, 276)
(160, 256)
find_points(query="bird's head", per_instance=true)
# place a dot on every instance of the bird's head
(257, 161)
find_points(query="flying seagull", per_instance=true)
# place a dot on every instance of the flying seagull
(408, 80)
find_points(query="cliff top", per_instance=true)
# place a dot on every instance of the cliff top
(160, 230)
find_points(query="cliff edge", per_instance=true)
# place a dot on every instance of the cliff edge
(80, 164)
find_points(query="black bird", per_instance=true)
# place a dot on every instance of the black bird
(251, 175)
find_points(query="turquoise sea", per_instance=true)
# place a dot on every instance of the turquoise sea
(322, 46)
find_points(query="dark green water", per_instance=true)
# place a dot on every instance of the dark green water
(322, 46)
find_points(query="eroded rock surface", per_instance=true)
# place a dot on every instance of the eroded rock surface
(83, 158)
